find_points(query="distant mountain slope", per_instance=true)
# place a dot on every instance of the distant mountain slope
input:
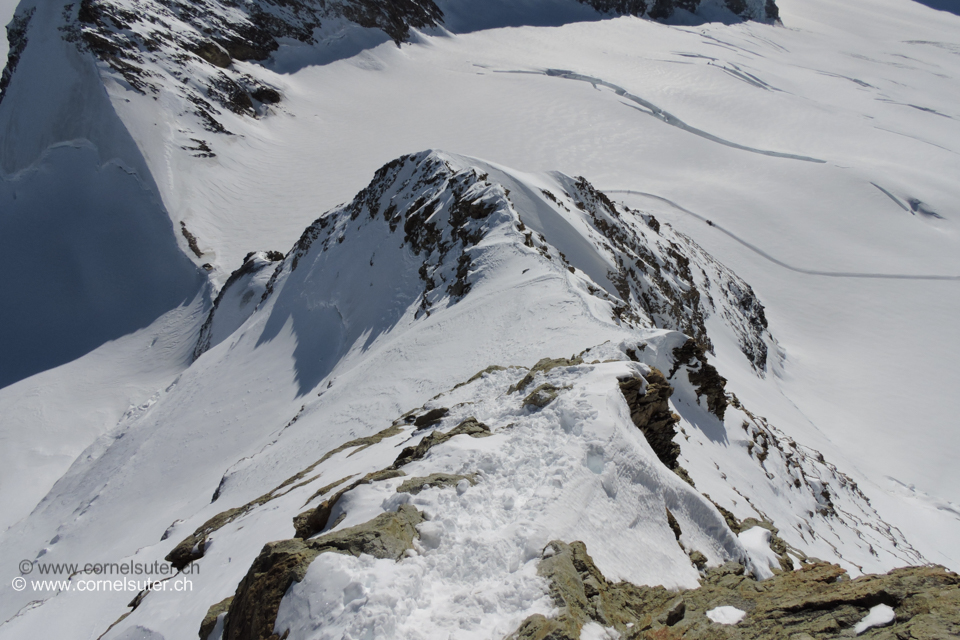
(182, 54)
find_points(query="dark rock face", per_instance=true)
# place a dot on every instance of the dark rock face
(662, 9)
(702, 375)
(545, 365)
(541, 396)
(416, 485)
(665, 276)
(253, 263)
(253, 611)
(17, 39)
(816, 602)
(650, 412)
(199, 40)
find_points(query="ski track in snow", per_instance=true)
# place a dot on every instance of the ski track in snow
(664, 116)
(812, 272)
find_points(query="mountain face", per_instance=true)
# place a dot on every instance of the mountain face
(187, 49)
(645, 354)
(450, 507)
(442, 209)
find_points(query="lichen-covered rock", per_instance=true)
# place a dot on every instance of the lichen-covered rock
(816, 602)
(313, 521)
(650, 412)
(541, 396)
(210, 620)
(545, 365)
(253, 612)
(471, 427)
(416, 485)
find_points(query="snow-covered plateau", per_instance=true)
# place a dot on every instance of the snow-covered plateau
(480, 319)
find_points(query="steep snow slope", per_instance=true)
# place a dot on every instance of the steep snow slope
(822, 153)
(80, 213)
(424, 278)
(864, 91)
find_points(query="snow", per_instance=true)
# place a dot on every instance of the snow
(756, 541)
(121, 433)
(878, 616)
(594, 631)
(726, 615)
(575, 470)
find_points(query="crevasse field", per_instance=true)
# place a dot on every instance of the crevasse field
(816, 161)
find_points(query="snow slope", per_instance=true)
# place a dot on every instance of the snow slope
(424, 278)
(868, 88)
(815, 161)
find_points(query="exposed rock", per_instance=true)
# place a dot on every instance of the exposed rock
(17, 40)
(582, 594)
(363, 443)
(191, 239)
(313, 521)
(650, 412)
(815, 602)
(253, 263)
(416, 485)
(674, 525)
(541, 396)
(544, 366)
(430, 418)
(698, 559)
(662, 9)
(253, 612)
(684, 475)
(777, 544)
(702, 375)
(192, 548)
(471, 427)
(213, 53)
(210, 620)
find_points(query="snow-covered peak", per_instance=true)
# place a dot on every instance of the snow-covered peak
(432, 226)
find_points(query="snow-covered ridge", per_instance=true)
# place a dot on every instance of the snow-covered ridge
(449, 209)
(444, 266)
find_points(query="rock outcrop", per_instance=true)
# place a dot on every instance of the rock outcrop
(764, 10)
(702, 375)
(650, 412)
(815, 602)
(253, 611)
(17, 40)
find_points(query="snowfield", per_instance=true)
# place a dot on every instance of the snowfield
(199, 321)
